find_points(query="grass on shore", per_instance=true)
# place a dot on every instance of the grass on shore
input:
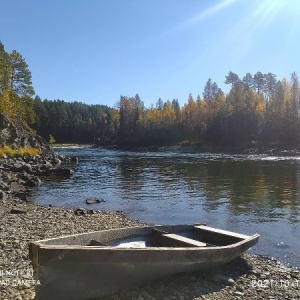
(8, 151)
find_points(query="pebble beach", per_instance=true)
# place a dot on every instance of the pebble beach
(248, 277)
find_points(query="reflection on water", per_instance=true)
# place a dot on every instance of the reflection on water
(243, 193)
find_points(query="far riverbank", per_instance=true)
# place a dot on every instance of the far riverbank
(194, 148)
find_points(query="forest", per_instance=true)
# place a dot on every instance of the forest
(258, 111)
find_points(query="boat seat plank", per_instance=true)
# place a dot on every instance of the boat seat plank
(183, 241)
(221, 232)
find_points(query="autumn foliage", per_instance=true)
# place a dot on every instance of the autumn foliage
(16, 89)
(257, 111)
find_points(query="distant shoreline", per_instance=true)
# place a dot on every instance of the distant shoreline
(190, 149)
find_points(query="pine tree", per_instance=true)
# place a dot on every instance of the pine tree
(19, 75)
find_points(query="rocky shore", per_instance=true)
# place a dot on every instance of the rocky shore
(18, 174)
(22, 222)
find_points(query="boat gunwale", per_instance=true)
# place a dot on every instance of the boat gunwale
(106, 248)
(41, 244)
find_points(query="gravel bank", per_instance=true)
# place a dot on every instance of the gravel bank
(249, 277)
(21, 223)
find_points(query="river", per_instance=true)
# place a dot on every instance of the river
(242, 193)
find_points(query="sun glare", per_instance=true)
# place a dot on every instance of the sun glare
(266, 12)
(253, 23)
(211, 11)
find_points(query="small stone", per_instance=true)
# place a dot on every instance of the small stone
(239, 288)
(17, 211)
(230, 281)
(295, 274)
(94, 201)
(2, 195)
(80, 211)
(237, 293)
(223, 279)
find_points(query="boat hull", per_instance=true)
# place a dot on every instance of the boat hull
(80, 272)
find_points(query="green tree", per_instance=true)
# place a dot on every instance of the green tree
(176, 107)
(259, 81)
(4, 69)
(16, 89)
(20, 76)
(270, 85)
(248, 82)
(160, 104)
(295, 93)
(211, 91)
(232, 79)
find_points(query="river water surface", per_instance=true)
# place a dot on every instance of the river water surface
(243, 193)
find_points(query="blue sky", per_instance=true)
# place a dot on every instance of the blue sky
(93, 51)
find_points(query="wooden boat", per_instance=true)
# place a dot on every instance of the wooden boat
(90, 265)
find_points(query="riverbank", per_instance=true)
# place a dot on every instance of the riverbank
(249, 277)
(190, 148)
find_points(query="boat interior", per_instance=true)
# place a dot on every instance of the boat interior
(156, 236)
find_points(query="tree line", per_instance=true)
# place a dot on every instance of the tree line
(75, 122)
(258, 110)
